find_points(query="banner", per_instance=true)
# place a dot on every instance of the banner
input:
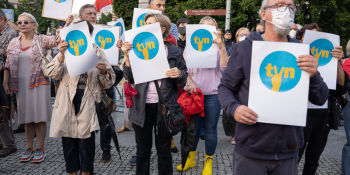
(148, 58)
(321, 46)
(106, 38)
(10, 14)
(80, 56)
(57, 9)
(119, 23)
(201, 52)
(138, 19)
(278, 90)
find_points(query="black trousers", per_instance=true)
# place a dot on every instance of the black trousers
(143, 136)
(315, 139)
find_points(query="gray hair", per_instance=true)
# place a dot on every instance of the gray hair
(348, 48)
(32, 18)
(150, 1)
(264, 5)
(208, 18)
(81, 10)
(2, 14)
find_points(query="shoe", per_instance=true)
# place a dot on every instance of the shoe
(233, 141)
(208, 165)
(27, 156)
(122, 129)
(7, 151)
(20, 129)
(106, 156)
(190, 162)
(133, 160)
(39, 156)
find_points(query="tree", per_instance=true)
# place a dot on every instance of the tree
(105, 18)
(5, 5)
(125, 9)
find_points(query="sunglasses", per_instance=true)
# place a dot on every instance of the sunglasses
(24, 22)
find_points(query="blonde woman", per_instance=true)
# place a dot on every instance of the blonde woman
(23, 65)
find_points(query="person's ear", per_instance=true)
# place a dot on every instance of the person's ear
(262, 14)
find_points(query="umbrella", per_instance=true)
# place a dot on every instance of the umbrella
(114, 135)
(193, 107)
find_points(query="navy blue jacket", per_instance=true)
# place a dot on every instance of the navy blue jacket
(261, 140)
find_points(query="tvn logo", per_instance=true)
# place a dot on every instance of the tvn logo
(201, 40)
(105, 39)
(321, 49)
(146, 46)
(77, 42)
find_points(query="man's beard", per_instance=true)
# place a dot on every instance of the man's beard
(280, 32)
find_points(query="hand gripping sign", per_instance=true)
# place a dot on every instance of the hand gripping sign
(201, 52)
(148, 58)
(278, 89)
(106, 38)
(119, 23)
(57, 9)
(138, 19)
(80, 55)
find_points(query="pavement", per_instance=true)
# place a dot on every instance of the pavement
(330, 162)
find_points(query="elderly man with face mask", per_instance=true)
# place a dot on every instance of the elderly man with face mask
(265, 148)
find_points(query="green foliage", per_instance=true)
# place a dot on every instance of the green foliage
(34, 7)
(125, 9)
(105, 18)
(5, 5)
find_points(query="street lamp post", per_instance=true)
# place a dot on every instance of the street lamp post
(228, 14)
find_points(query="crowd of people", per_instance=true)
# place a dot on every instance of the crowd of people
(75, 117)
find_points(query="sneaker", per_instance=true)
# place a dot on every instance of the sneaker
(39, 156)
(7, 151)
(133, 160)
(106, 156)
(27, 156)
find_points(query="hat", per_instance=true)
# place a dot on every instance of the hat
(228, 31)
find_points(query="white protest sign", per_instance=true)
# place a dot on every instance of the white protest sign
(10, 14)
(138, 19)
(148, 58)
(57, 9)
(119, 23)
(106, 38)
(80, 56)
(321, 46)
(201, 52)
(278, 89)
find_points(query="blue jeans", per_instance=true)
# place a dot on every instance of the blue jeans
(212, 109)
(346, 148)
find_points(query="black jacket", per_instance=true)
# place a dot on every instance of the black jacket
(169, 86)
(261, 141)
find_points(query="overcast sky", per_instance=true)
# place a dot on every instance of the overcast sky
(78, 3)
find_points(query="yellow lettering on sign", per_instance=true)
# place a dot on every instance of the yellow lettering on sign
(200, 42)
(103, 41)
(142, 23)
(75, 45)
(144, 48)
(317, 54)
(277, 76)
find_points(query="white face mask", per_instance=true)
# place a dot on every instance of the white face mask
(282, 20)
(292, 33)
(242, 38)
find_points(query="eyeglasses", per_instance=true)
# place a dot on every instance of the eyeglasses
(283, 7)
(24, 22)
(242, 34)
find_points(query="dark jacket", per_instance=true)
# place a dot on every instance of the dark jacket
(261, 140)
(169, 86)
(228, 45)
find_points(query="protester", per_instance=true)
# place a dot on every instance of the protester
(77, 123)
(7, 140)
(23, 75)
(263, 148)
(294, 29)
(146, 103)
(207, 80)
(228, 41)
(318, 122)
(260, 28)
(160, 5)
(242, 34)
(181, 26)
(346, 115)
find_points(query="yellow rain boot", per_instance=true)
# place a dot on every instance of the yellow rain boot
(190, 162)
(208, 165)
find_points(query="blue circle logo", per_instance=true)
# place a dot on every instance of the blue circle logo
(145, 46)
(60, 1)
(119, 24)
(77, 42)
(279, 71)
(201, 40)
(321, 49)
(104, 39)
(141, 20)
